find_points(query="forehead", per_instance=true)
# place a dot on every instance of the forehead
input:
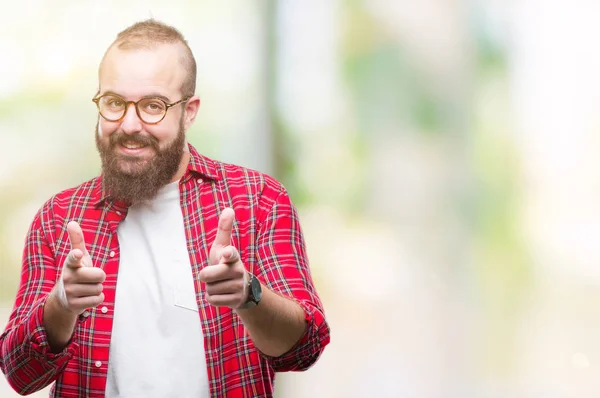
(134, 73)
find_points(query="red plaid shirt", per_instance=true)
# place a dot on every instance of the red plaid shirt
(266, 232)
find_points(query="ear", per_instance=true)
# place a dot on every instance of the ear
(191, 110)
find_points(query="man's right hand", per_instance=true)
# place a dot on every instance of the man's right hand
(80, 285)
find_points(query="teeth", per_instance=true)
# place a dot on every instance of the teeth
(133, 145)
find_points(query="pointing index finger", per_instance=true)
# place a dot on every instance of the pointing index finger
(76, 236)
(77, 241)
(225, 227)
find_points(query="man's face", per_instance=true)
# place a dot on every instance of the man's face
(138, 158)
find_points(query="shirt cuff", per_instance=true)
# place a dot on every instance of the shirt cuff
(310, 346)
(39, 346)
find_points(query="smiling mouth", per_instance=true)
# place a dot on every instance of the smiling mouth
(133, 145)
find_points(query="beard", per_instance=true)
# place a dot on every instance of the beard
(133, 180)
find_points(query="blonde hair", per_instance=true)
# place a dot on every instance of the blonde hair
(150, 33)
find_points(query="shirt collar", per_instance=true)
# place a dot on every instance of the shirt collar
(202, 165)
(198, 164)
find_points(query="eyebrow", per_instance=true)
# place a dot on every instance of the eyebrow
(151, 95)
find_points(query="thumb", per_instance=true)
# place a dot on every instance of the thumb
(223, 237)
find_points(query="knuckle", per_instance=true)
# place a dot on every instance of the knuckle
(210, 275)
(239, 285)
(239, 272)
(94, 274)
(68, 274)
(68, 290)
(96, 277)
(210, 290)
(71, 302)
(67, 277)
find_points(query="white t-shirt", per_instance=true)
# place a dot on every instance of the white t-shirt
(157, 346)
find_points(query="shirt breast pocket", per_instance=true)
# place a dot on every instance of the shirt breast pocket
(183, 298)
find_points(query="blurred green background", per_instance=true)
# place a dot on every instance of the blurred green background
(442, 155)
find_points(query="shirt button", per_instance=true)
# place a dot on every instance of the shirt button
(112, 254)
(200, 181)
(118, 212)
(98, 364)
(104, 310)
(86, 313)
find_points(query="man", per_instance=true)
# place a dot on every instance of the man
(171, 274)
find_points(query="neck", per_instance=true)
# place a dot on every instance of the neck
(185, 160)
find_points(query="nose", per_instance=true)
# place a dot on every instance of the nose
(131, 123)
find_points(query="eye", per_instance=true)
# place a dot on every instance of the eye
(153, 106)
(114, 102)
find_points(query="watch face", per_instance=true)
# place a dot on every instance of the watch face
(256, 290)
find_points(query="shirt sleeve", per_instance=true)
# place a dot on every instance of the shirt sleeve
(284, 265)
(25, 356)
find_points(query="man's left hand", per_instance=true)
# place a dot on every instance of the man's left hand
(226, 278)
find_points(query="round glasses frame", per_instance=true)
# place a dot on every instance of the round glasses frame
(96, 100)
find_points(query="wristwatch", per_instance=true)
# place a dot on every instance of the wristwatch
(254, 292)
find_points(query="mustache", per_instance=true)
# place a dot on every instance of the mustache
(120, 139)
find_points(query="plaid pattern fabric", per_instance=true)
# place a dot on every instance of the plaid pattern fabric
(266, 232)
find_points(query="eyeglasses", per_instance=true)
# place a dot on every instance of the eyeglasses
(150, 110)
